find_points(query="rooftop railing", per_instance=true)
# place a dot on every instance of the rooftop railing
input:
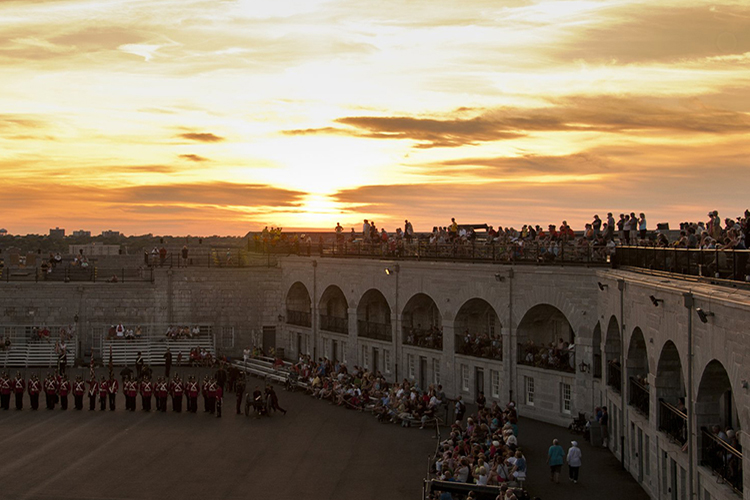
(673, 421)
(725, 264)
(722, 458)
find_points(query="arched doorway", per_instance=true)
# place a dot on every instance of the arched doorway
(478, 330)
(374, 316)
(546, 339)
(298, 305)
(612, 350)
(718, 424)
(670, 392)
(421, 323)
(334, 311)
(637, 364)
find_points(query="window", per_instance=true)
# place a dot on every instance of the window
(227, 337)
(494, 383)
(387, 360)
(566, 398)
(327, 348)
(307, 344)
(465, 378)
(435, 371)
(411, 363)
(529, 391)
(343, 352)
(491, 323)
(365, 356)
(647, 459)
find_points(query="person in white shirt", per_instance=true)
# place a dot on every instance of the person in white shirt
(574, 461)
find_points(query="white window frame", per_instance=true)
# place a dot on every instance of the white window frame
(366, 356)
(495, 383)
(327, 348)
(307, 344)
(436, 371)
(411, 364)
(343, 351)
(387, 360)
(530, 388)
(567, 396)
(465, 378)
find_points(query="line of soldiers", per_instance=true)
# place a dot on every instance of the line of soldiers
(57, 388)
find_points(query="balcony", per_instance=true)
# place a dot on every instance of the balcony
(639, 396)
(614, 376)
(334, 324)
(481, 347)
(372, 330)
(299, 318)
(672, 422)
(430, 338)
(598, 365)
(547, 358)
(722, 458)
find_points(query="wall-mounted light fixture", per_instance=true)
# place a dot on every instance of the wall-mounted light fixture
(602, 286)
(655, 301)
(704, 315)
(584, 367)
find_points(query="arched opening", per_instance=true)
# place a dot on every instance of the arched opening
(637, 364)
(298, 305)
(421, 323)
(546, 339)
(374, 316)
(717, 419)
(597, 348)
(612, 350)
(478, 330)
(670, 392)
(334, 311)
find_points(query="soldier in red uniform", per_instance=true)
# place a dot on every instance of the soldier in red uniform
(79, 389)
(112, 387)
(34, 388)
(176, 389)
(146, 392)
(93, 392)
(192, 394)
(132, 392)
(204, 393)
(63, 390)
(128, 393)
(219, 399)
(103, 394)
(161, 395)
(19, 387)
(212, 385)
(5, 391)
(50, 391)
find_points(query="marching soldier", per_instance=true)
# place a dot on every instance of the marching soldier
(5, 391)
(161, 394)
(63, 390)
(19, 387)
(139, 365)
(204, 393)
(34, 388)
(50, 391)
(112, 388)
(212, 395)
(146, 392)
(240, 390)
(177, 389)
(79, 389)
(130, 392)
(93, 392)
(218, 398)
(103, 394)
(192, 394)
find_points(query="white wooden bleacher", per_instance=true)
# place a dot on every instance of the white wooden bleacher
(25, 353)
(153, 349)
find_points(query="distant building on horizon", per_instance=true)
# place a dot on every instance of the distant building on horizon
(82, 234)
(57, 233)
(94, 249)
(110, 234)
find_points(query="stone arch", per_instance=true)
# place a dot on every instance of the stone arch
(298, 305)
(478, 330)
(374, 316)
(669, 382)
(612, 350)
(422, 323)
(637, 371)
(546, 339)
(334, 310)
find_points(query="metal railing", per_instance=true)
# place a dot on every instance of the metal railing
(672, 421)
(708, 263)
(639, 396)
(372, 330)
(540, 357)
(614, 376)
(486, 348)
(77, 274)
(299, 318)
(722, 458)
(334, 324)
(423, 337)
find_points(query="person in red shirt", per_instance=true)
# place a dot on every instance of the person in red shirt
(192, 394)
(103, 394)
(176, 389)
(34, 388)
(63, 391)
(161, 395)
(19, 387)
(130, 392)
(5, 391)
(93, 392)
(50, 391)
(79, 389)
(112, 388)
(147, 390)
(204, 392)
(211, 392)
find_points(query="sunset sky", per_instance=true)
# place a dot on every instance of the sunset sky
(220, 117)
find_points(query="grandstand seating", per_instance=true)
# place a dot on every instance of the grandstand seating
(124, 352)
(25, 352)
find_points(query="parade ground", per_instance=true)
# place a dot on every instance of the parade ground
(316, 451)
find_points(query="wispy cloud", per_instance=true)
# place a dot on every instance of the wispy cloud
(202, 137)
(193, 157)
